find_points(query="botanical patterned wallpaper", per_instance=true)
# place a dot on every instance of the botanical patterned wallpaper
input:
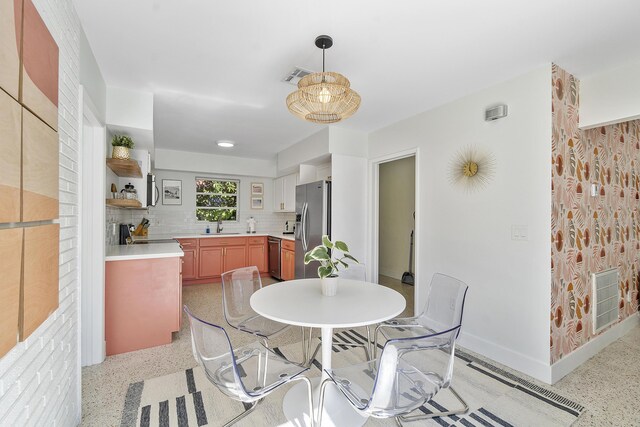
(590, 234)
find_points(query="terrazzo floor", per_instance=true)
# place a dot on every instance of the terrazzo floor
(607, 385)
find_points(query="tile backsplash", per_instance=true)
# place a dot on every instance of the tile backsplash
(181, 219)
(184, 222)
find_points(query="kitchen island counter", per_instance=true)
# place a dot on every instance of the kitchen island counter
(148, 251)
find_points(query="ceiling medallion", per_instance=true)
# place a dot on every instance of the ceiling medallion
(323, 97)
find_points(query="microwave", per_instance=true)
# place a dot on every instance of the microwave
(153, 194)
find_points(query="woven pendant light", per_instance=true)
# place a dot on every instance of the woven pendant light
(323, 97)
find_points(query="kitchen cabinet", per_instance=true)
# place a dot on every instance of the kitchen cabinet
(210, 262)
(143, 303)
(205, 259)
(234, 257)
(288, 260)
(257, 254)
(189, 264)
(284, 193)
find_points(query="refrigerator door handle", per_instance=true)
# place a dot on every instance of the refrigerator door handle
(303, 225)
(306, 227)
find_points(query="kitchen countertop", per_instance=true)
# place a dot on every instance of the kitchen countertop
(149, 251)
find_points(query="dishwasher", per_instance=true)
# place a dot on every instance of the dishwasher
(274, 257)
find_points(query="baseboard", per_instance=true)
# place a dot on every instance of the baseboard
(508, 357)
(577, 357)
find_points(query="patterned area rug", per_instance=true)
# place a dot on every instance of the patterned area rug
(495, 397)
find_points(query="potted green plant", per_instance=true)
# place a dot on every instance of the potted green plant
(329, 265)
(121, 145)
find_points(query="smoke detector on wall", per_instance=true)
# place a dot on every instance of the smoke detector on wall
(295, 75)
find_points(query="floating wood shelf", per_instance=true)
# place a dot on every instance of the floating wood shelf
(124, 203)
(125, 168)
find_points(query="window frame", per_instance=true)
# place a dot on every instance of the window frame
(236, 194)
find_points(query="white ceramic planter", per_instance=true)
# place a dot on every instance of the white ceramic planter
(329, 286)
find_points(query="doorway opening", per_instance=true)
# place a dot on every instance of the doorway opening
(396, 227)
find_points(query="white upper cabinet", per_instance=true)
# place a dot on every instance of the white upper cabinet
(284, 193)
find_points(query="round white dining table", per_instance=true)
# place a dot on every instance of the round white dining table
(301, 303)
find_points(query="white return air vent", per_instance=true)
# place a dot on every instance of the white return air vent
(295, 75)
(605, 298)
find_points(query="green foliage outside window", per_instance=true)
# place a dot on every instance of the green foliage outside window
(216, 200)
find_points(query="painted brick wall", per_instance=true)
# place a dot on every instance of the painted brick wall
(40, 378)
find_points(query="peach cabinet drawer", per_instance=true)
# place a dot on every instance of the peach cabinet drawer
(188, 243)
(223, 241)
(289, 245)
(257, 240)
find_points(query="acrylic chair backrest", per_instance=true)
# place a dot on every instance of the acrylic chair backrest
(355, 271)
(427, 360)
(445, 303)
(213, 351)
(237, 287)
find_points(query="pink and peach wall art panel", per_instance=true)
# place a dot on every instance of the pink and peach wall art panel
(590, 233)
(10, 148)
(40, 154)
(39, 67)
(10, 42)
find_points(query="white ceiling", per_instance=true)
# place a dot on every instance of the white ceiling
(216, 66)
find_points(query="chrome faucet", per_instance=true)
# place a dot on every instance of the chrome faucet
(219, 227)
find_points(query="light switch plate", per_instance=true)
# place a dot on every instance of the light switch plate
(519, 232)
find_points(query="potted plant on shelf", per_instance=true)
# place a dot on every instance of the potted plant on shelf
(328, 270)
(121, 145)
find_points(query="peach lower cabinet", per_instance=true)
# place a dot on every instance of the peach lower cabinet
(207, 258)
(143, 296)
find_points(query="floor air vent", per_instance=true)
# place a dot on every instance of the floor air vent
(606, 297)
(295, 75)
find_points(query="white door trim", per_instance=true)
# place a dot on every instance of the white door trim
(92, 233)
(374, 216)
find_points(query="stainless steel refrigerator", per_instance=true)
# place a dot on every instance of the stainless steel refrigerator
(313, 220)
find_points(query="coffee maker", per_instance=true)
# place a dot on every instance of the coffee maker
(125, 232)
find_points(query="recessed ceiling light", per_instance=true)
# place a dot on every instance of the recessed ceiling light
(225, 143)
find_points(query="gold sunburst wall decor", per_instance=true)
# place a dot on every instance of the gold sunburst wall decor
(472, 168)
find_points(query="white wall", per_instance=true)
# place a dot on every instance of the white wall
(397, 204)
(610, 97)
(349, 203)
(40, 378)
(469, 235)
(213, 163)
(129, 108)
(92, 80)
(348, 142)
(181, 219)
(305, 151)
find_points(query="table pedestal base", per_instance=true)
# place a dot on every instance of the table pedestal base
(338, 411)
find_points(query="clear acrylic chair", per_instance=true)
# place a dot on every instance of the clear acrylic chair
(237, 287)
(393, 385)
(443, 311)
(247, 374)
